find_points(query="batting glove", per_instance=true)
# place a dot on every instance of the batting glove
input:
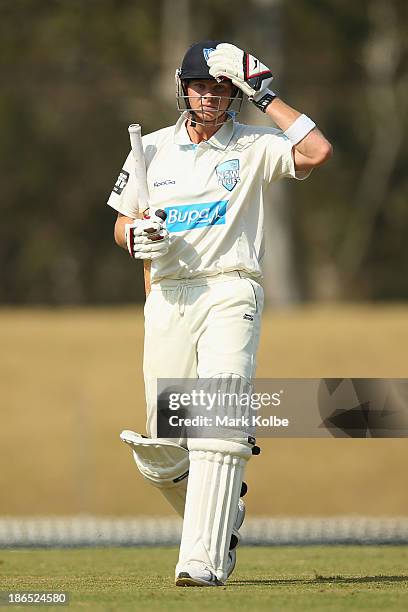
(146, 239)
(245, 71)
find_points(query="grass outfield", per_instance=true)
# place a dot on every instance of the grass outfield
(295, 578)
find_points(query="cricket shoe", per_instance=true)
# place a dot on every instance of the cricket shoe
(197, 573)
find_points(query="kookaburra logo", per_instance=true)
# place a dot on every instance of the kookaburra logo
(228, 174)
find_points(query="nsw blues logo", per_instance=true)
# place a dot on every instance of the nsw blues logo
(206, 53)
(228, 174)
(193, 216)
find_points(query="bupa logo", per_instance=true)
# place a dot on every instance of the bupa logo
(228, 174)
(206, 53)
(192, 216)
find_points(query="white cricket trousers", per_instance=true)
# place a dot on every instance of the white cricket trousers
(199, 328)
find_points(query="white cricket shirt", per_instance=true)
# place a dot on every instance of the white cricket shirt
(213, 194)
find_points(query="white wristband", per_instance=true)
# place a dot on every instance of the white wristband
(299, 129)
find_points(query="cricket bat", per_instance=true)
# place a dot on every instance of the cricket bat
(135, 134)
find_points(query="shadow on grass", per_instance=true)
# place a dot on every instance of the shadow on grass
(318, 580)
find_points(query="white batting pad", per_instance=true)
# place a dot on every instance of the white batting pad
(216, 473)
(163, 463)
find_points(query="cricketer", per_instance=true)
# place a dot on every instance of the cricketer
(209, 173)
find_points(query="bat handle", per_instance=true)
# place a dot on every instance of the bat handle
(161, 214)
(147, 265)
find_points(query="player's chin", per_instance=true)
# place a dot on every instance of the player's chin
(210, 116)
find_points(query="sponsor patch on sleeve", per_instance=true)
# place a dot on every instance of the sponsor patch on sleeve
(121, 182)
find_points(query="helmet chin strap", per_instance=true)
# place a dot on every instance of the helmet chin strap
(193, 123)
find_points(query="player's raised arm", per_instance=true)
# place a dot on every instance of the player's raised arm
(310, 147)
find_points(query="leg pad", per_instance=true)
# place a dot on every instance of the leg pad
(216, 472)
(163, 463)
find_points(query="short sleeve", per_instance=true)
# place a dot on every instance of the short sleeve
(279, 162)
(123, 197)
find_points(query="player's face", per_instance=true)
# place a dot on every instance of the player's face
(209, 99)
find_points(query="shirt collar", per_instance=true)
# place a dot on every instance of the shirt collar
(220, 140)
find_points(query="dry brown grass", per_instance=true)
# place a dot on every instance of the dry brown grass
(70, 380)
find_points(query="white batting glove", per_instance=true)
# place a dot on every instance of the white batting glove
(146, 238)
(245, 71)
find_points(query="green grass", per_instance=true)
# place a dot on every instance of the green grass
(340, 578)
